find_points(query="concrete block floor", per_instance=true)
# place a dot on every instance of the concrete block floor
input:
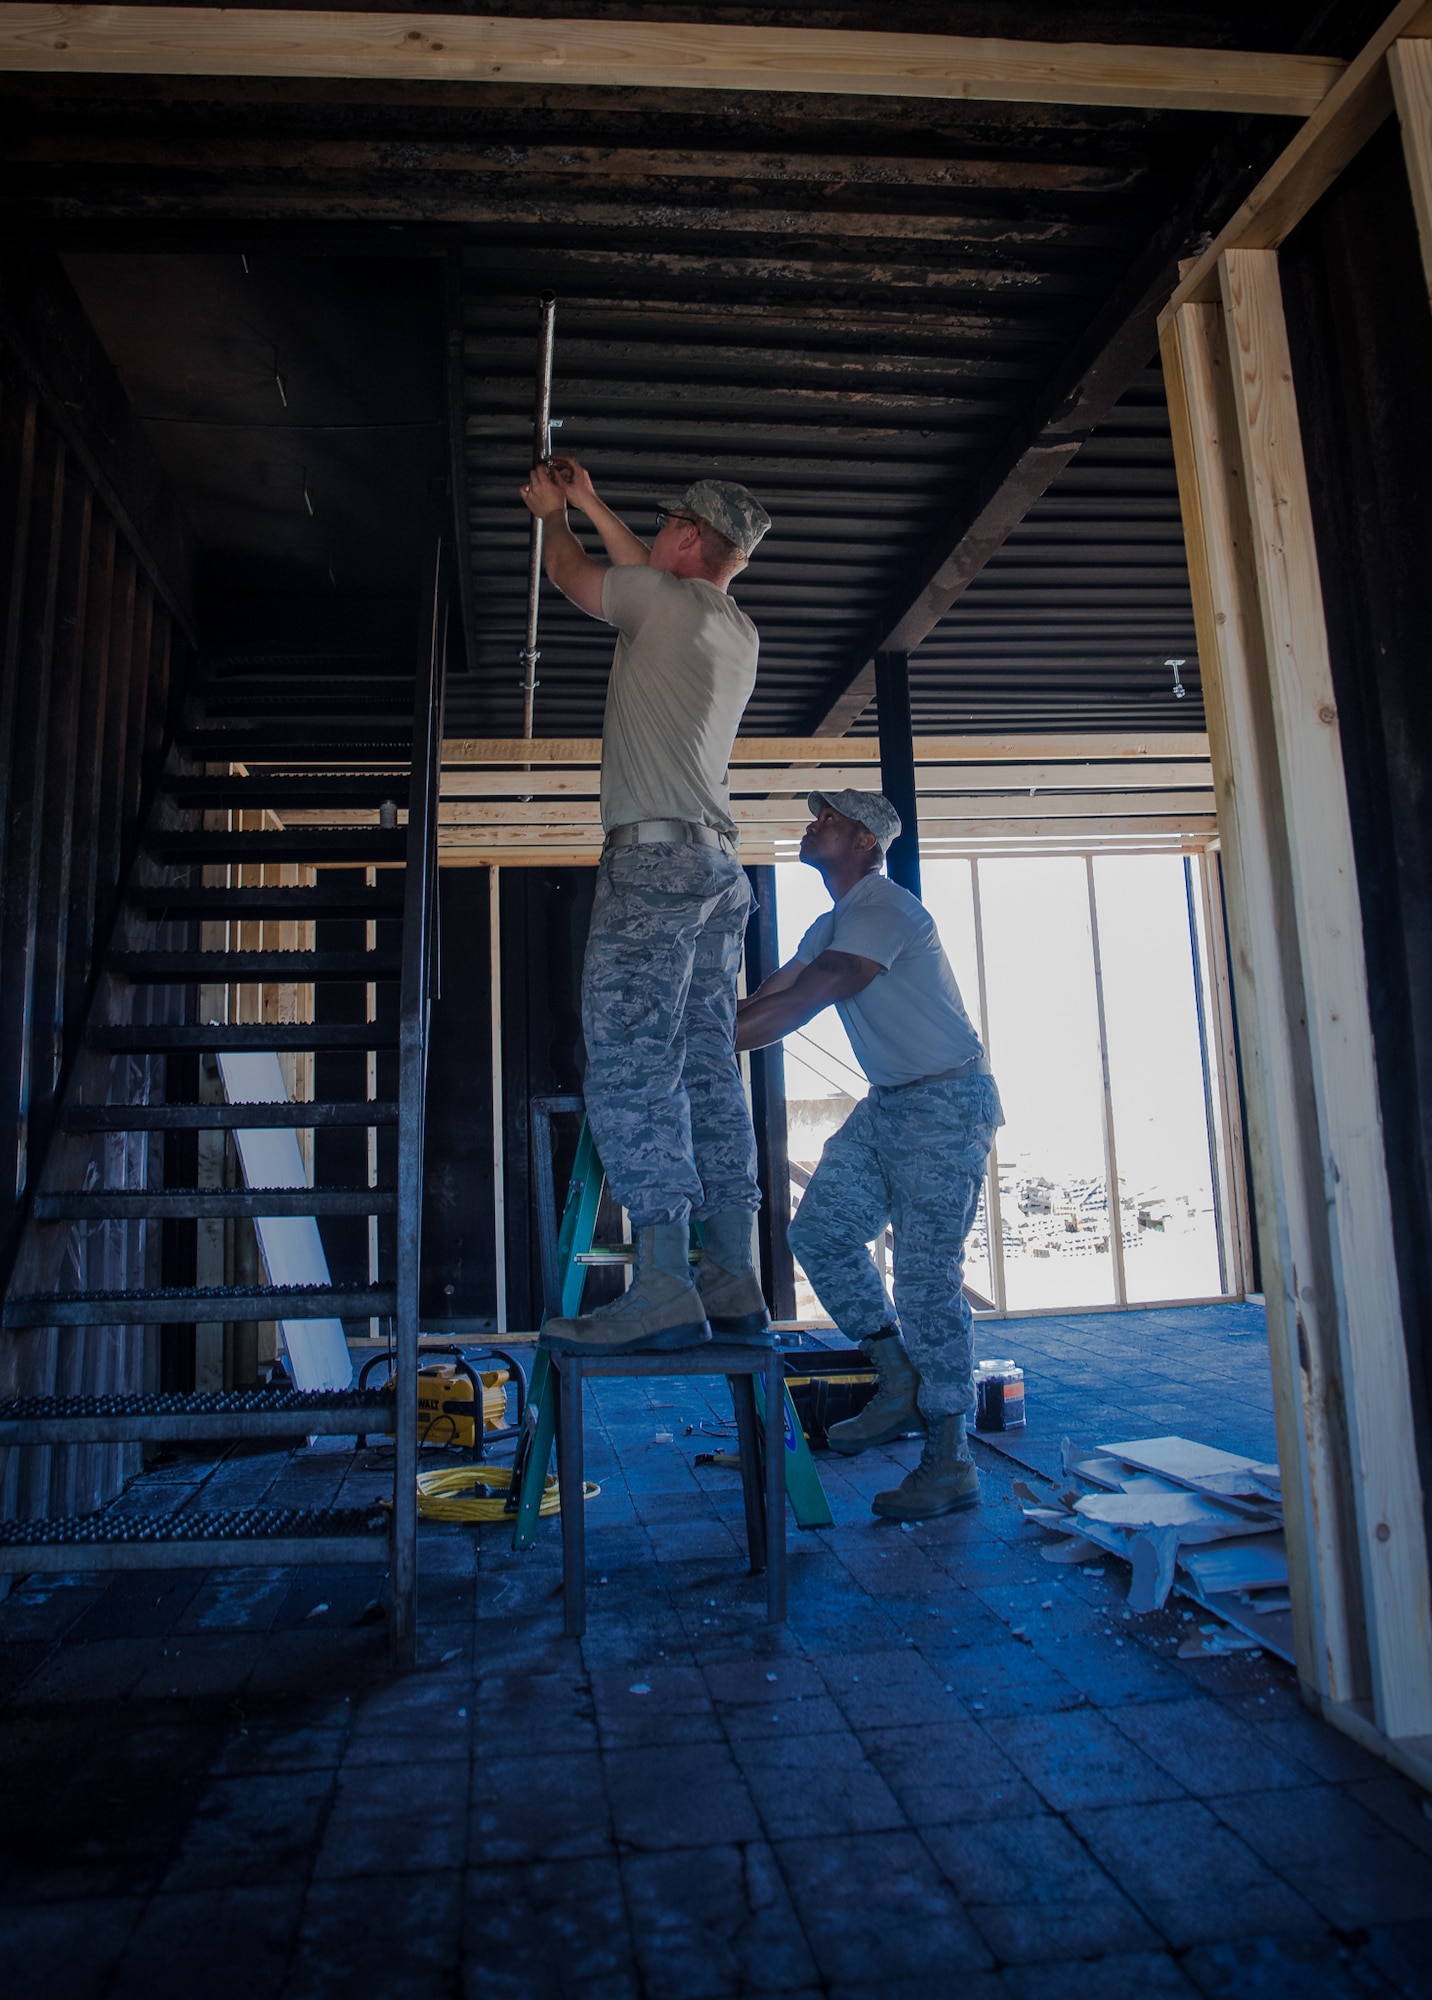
(959, 1771)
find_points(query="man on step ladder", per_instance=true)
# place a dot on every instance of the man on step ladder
(663, 1089)
(913, 1152)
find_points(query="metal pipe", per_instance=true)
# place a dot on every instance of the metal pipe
(541, 452)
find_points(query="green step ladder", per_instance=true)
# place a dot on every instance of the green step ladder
(567, 1255)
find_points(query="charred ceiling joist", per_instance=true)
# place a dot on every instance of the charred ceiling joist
(920, 325)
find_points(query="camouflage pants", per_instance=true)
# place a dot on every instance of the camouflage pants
(663, 1087)
(916, 1157)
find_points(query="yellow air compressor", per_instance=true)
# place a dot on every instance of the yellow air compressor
(447, 1402)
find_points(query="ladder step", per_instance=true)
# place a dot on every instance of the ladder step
(218, 904)
(231, 1537)
(247, 1413)
(184, 1204)
(301, 1117)
(287, 788)
(299, 1036)
(179, 1304)
(365, 845)
(225, 968)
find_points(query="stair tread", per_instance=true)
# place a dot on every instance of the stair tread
(300, 1035)
(177, 1304)
(196, 1403)
(227, 1524)
(340, 899)
(301, 1116)
(223, 967)
(299, 843)
(71, 1204)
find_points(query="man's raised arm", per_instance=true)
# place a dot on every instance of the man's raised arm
(617, 538)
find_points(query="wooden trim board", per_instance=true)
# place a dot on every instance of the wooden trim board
(661, 55)
(538, 750)
(1387, 1487)
(1302, 1334)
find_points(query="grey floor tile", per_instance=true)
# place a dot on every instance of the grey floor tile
(400, 1944)
(1034, 1892)
(547, 1931)
(1351, 1867)
(1398, 1803)
(890, 1688)
(1080, 1759)
(1191, 1876)
(253, 1829)
(229, 1944)
(1005, 1678)
(1402, 1955)
(396, 1818)
(715, 1921)
(1135, 1975)
(923, 1936)
(681, 1795)
(1303, 1967)
(664, 1704)
(70, 1948)
(947, 1772)
(805, 1785)
(1206, 1749)
(549, 1808)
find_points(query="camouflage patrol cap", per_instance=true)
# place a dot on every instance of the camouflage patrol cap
(732, 510)
(872, 809)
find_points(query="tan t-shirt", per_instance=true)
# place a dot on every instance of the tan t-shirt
(684, 669)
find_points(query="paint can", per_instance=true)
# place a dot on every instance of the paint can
(999, 1396)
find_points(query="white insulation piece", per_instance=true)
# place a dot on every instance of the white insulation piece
(291, 1245)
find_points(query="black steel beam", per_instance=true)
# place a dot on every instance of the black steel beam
(897, 766)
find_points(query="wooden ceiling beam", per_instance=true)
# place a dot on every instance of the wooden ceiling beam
(663, 55)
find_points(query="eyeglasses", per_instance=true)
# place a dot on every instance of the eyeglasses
(664, 518)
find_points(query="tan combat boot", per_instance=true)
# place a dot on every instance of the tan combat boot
(660, 1309)
(892, 1411)
(944, 1482)
(730, 1290)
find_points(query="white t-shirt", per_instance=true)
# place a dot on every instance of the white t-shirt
(684, 669)
(910, 1021)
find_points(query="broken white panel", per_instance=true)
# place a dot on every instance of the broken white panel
(1257, 1562)
(1201, 1467)
(291, 1245)
(1198, 1519)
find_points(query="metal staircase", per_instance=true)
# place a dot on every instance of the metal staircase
(258, 777)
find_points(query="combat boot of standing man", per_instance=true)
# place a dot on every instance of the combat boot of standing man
(663, 1087)
(912, 1153)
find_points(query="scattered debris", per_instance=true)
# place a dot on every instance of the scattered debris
(1186, 1517)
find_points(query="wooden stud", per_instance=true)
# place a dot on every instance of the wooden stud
(1409, 65)
(1302, 1337)
(1387, 1487)
(654, 55)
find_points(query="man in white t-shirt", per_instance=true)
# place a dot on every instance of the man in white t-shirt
(663, 1089)
(912, 1153)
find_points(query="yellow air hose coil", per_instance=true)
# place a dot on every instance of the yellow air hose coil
(438, 1491)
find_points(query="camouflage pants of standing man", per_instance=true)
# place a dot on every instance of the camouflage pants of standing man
(914, 1156)
(663, 1087)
